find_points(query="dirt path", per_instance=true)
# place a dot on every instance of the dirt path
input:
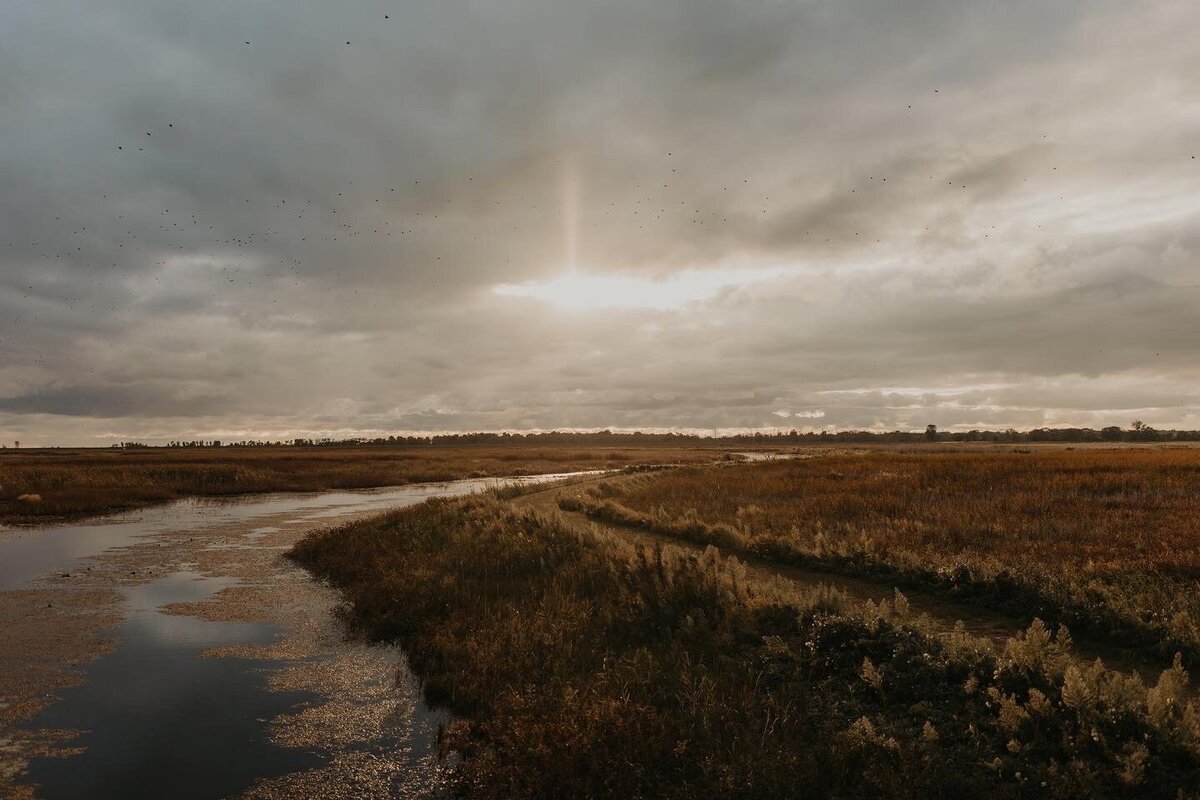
(995, 626)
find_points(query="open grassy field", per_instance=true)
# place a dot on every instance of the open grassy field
(580, 664)
(582, 667)
(1105, 540)
(36, 486)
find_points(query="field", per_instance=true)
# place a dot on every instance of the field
(675, 633)
(1105, 540)
(37, 486)
(580, 666)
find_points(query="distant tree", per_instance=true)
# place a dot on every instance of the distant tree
(1112, 433)
(1141, 432)
(931, 433)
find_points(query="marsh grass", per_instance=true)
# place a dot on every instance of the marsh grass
(581, 667)
(1107, 541)
(78, 483)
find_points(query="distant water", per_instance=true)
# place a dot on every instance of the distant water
(26, 553)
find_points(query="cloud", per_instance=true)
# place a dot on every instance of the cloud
(110, 402)
(774, 207)
(576, 292)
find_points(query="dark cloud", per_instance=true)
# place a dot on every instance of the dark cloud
(965, 213)
(114, 401)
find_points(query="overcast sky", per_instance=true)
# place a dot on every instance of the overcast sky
(262, 219)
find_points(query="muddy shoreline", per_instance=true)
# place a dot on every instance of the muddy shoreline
(365, 731)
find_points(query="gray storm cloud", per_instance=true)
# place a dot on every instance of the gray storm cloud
(268, 219)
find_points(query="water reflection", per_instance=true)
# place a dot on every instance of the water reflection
(28, 553)
(158, 719)
(162, 722)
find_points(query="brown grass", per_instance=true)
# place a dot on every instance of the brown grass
(584, 668)
(79, 483)
(1095, 510)
(1106, 539)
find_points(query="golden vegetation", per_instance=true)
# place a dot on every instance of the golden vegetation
(40, 485)
(581, 667)
(1105, 540)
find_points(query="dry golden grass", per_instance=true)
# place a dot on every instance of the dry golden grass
(78, 483)
(581, 667)
(1104, 538)
(1087, 509)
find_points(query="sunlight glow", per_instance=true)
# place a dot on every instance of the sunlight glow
(570, 213)
(582, 292)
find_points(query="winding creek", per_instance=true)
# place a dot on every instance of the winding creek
(174, 652)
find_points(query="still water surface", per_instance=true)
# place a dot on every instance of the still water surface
(159, 719)
(162, 722)
(27, 553)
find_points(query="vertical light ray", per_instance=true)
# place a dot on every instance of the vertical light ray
(570, 215)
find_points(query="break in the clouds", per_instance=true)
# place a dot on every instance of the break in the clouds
(269, 219)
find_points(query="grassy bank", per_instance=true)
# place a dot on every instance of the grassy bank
(37, 486)
(583, 668)
(1106, 541)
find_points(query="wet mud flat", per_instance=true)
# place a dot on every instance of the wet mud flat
(187, 657)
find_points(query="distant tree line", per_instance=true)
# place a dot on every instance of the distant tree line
(195, 443)
(1138, 431)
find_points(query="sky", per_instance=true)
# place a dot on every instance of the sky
(263, 220)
